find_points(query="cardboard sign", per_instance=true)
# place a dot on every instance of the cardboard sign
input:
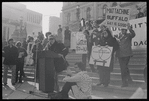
(101, 55)
(81, 43)
(139, 25)
(117, 17)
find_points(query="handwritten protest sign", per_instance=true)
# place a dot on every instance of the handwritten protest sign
(139, 42)
(117, 17)
(101, 55)
(81, 43)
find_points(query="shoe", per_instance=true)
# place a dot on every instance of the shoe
(106, 85)
(5, 84)
(13, 84)
(130, 81)
(99, 84)
(124, 85)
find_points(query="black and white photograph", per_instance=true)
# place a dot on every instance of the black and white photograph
(74, 50)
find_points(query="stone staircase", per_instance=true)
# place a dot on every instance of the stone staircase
(136, 65)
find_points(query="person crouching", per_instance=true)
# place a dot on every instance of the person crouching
(79, 83)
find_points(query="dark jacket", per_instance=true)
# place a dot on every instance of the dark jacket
(125, 45)
(21, 49)
(110, 41)
(40, 48)
(10, 55)
(59, 48)
(45, 41)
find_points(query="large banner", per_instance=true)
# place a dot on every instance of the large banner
(139, 25)
(81, 43)
(117, 17)
(101, 55)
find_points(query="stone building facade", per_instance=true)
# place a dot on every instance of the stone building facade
(16, 16)
(73, 12)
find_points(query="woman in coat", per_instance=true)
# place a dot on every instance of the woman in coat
(107, 40)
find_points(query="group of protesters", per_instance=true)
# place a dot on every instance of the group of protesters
(103, 36)
(18, 56)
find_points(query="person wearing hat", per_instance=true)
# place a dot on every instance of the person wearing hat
(20, 61)
(124, 53)
(59, 48)
(140, 14)
(10, 53)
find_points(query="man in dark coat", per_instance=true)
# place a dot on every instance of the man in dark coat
(61, 50)
(10, 61)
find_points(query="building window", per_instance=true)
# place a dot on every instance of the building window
(104, 10)
(68, 17)
(78, 12)
(88, 15)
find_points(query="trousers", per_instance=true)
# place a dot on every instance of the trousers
(104, 75)
(19, 67)
(125, 74)
(13, 72)
(66, 88)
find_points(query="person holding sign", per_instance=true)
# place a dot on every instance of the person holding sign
(107, 40)
(124, 53)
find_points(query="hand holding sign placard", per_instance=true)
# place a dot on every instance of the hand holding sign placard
(101, 55)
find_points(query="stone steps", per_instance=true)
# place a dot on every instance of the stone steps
(114, 76)
(116, 70)
(114, 88)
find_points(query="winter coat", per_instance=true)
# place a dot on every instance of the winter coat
(40, 48)
(125, 45)
(59, 48)
(21, 49)
(10, 55)
(112, 42)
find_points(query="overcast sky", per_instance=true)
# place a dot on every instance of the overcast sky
(47, 9)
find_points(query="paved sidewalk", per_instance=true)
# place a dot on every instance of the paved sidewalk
(20, 91)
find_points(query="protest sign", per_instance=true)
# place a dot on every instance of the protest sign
(117, 17)
(102, 55)
(139, 42)
(81, 43)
